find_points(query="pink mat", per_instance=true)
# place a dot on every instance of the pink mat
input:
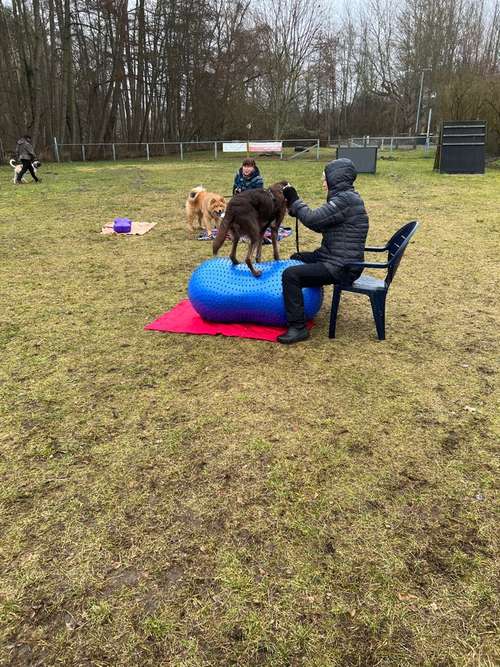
(183, 318)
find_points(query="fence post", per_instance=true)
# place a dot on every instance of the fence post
(56, 150)
(147, 151)
(317, 150)
(382, 146)
(83, 152)
(114, 152)
(392, 139)
(182, 152)
(215, 150)
(427, 138)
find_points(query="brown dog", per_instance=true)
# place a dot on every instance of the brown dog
(204, 209)
(249, 214)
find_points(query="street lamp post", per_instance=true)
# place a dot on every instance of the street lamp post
(426, 69)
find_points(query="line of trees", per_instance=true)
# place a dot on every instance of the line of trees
(153, 70)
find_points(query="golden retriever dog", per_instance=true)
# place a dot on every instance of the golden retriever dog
(204, 209)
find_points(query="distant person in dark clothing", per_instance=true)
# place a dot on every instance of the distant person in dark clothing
(343, 223)
(26, 155)
(247, 177)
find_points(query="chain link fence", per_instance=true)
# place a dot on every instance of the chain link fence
(185, 150)
(393, 142)
(304, 149)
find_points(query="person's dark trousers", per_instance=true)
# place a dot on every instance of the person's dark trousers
(312, 273)
(27, 166)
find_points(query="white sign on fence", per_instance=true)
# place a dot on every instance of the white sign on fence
(266, 147)
(234, 147)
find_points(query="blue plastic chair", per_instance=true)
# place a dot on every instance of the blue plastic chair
(375, 288)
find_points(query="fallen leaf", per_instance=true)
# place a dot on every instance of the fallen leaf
(406, 597)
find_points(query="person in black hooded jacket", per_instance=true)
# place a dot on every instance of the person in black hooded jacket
(343, 223)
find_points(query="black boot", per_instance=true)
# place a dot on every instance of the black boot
(294, 335)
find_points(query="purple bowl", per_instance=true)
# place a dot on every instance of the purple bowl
(122, 225)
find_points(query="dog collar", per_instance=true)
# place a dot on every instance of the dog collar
(273, 196)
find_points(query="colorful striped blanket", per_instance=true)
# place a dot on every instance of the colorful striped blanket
(283, 233)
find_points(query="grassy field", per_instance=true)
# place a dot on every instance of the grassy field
(204, 501)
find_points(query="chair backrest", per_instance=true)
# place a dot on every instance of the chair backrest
(396, 247)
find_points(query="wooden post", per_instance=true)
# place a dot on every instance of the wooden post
(182, 152)
(114, 152)
(83, 152)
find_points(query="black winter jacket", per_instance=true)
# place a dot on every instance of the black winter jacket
(342, 221)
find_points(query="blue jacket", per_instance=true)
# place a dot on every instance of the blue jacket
(253, 182)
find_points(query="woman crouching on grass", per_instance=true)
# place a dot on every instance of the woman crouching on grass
(247, 177)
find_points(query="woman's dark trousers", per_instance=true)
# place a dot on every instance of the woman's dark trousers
(312, 273)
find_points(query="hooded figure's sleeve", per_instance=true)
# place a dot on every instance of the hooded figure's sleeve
(320, 219)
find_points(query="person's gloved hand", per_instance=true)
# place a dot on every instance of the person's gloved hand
(236, 191)
(290, 194)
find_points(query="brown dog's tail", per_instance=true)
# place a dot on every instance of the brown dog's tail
(221, 234)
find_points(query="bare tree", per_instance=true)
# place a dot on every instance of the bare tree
(288, 31)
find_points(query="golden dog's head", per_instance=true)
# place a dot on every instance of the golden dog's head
(216, 206)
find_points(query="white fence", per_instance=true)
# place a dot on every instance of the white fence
(392, 143)
(183, 149)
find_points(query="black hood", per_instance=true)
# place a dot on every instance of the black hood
(340, 175)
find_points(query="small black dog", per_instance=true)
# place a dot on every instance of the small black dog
(250, 213)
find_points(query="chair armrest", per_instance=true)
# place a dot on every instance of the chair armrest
(373, 248)
(367, 265)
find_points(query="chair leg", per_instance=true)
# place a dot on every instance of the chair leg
(377, 300)
(337, 291)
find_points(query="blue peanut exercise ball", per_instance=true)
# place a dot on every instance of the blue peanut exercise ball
(222, 292)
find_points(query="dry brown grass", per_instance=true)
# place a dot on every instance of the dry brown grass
(192, 501)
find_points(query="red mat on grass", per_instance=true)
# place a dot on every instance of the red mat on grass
(183, 318)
